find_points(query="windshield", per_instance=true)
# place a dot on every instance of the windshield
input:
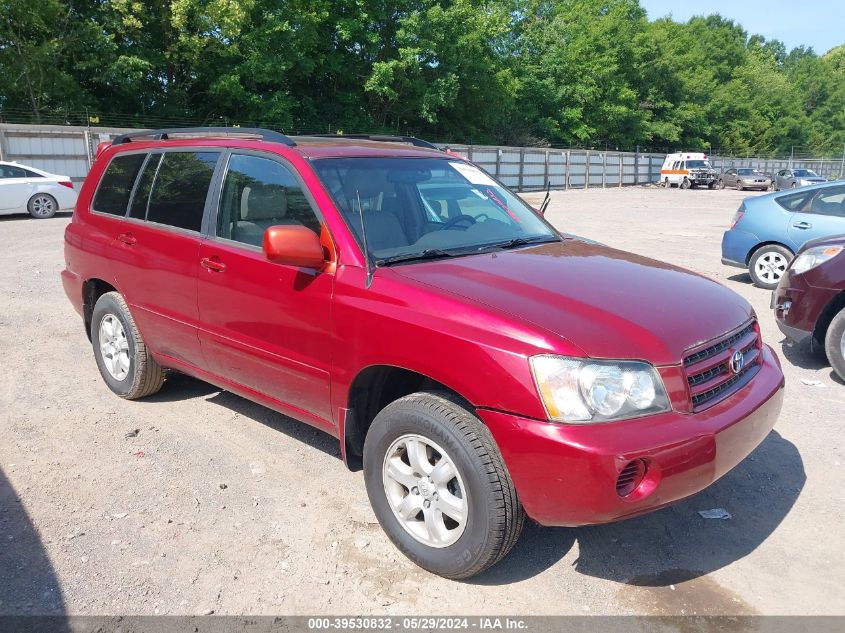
(427, 207)
(749, 172)
(805, 173)
(698, 164)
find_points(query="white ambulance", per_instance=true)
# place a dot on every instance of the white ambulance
(686, 170)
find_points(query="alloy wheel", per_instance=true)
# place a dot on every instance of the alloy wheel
(770, 267)
(425, 491)
(43, 206)
(114, 347)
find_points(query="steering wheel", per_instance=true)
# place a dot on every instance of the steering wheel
(457, 220)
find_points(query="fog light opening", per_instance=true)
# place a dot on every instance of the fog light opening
(631, 477)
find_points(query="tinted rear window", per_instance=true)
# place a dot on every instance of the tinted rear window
(180, 189)
(116, 186)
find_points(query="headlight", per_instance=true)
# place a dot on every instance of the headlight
(814, 256)
(584, 390)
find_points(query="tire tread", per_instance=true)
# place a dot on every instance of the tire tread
(149, 375)
(509, 514)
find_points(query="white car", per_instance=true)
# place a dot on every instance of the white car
(25, 189)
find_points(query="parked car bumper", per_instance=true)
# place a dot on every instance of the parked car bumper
(72, 283)
(797, 305)
(736, 245)
(762, 186)
(566, 474)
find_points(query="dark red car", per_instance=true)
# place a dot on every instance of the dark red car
(809, 302)
(479, 365)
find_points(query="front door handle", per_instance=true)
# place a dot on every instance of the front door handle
(803, 225)
(127, 238)
(213, 264)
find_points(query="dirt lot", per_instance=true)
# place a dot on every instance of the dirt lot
(218, 504)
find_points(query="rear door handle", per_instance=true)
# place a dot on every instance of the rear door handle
(127, 238)
(803, 225)
(213, 264)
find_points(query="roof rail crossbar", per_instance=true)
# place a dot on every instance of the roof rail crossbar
(383, 138)
(163, 134)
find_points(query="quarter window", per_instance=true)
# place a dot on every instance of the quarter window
(259, 193)
(181, 188)
(112, 196)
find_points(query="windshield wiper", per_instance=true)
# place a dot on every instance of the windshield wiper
(522, 241)
(431, 253)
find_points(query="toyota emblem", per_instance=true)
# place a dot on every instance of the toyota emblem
(737, 361)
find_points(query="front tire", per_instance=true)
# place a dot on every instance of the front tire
(768, 264)
(834, 344)
(439, 488)
(42, 206)
(685, 184)
(122, 357)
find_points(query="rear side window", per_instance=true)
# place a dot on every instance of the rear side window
(180, 189)
(9, 171)
(141, 197)
(793, 202)
(112, 196)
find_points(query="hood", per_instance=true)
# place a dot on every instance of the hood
(608, 303)
(810, 179)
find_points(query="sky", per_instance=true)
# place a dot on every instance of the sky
(816, 23)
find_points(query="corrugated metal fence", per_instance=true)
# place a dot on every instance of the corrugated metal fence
(530, 168)
(70, 150)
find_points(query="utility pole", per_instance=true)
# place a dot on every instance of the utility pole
(842, 165)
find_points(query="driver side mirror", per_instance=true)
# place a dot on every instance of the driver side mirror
(294, 245)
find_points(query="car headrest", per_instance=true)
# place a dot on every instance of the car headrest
(362, 182)
(263, 202)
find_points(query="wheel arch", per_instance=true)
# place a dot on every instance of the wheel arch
(757, 247)
(93, 289)
(834, 307)
(372, 389)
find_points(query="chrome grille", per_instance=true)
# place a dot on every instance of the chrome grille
(708, 370)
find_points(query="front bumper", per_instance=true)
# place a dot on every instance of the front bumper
(566, 474)
(805, 304)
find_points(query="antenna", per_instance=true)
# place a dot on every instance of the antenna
(368, 270)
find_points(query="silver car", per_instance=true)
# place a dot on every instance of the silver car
(792, 178)
(743, 178)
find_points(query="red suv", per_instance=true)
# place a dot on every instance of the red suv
(476, 363)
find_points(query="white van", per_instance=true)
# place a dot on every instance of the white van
(687, 169)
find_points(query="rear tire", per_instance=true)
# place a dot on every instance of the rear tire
(768, 264)
(834, 344)
(721, 184)
(122, 357)
(42, 206)
(667, 184)
(448, 435)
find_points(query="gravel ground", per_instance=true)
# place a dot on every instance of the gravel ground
(197, 501)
